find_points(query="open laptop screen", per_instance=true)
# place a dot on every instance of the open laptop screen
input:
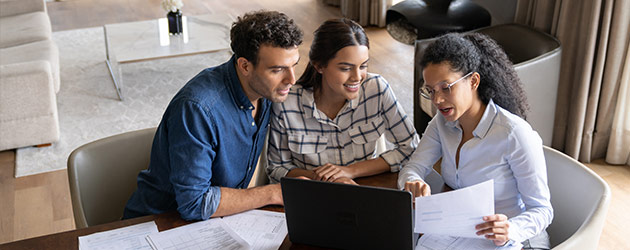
(345, 216)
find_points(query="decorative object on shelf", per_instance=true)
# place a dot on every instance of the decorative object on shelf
(174, 15)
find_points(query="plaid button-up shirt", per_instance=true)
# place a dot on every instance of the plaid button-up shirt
(302, 136)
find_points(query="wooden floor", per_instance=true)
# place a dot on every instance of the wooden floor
(40, 204)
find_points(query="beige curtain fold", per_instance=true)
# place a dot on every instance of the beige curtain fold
(619, 145)
(365, 12)
(595, 42)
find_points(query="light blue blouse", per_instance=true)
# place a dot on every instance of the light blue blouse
(504, 148)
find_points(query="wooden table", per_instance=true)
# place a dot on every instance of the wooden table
(69, 239)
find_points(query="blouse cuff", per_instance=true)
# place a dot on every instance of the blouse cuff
(511, 244)
(402, 181)
(393, 159)
(279, 172)
(514, 232)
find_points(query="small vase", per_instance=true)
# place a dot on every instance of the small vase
(174, 22)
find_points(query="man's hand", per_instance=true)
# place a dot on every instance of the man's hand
(418, 188)
(330, 172)
(495, 228)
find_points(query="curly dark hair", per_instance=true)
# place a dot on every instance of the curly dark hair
(256, 28)
(332, 36)
(477, 52)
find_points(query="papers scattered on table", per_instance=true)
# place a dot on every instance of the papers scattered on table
(263, 230)
(455, 213)
(255, 229)
(443, 242)
(209, 234)
(131, 237)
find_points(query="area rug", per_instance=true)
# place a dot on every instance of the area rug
(87, 102)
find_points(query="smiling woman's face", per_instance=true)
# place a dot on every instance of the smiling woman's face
(343, 75)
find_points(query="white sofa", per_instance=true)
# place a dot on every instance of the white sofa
(29, 75)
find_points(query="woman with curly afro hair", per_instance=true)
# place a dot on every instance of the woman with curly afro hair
(480, 134)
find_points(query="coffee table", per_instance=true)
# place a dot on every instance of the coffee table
(146, 40)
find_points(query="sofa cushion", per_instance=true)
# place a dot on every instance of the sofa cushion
(28, 105)
(42, 50)
(24, 28)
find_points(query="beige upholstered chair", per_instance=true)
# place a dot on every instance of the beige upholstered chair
(102, 175)
(580, 200)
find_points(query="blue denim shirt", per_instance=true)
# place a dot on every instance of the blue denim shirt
(207, 139)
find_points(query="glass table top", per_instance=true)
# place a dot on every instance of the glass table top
(143, 40)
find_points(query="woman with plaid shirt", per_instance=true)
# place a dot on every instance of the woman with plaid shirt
(330, 125)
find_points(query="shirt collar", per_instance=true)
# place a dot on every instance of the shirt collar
(308, 100)
(242, 101)
(486, 120)
(484, 124)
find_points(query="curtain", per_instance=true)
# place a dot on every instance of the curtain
(593, 87)
(618, 147)
(365, 12)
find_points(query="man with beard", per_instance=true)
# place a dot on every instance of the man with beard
(207, 145)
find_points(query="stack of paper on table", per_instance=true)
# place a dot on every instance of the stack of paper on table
(209, 234)
(261, 229)
(255, 229)
(443, 242)
(131, 237)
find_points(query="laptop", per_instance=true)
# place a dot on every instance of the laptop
(335, 215)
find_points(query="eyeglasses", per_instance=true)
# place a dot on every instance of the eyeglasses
(445, 88)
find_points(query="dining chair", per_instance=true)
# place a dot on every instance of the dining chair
(103, 173)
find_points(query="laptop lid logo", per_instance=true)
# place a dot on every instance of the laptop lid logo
(347, 218)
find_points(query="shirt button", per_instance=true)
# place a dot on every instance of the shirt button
(241, 107)
(253, 124)
(251, 107)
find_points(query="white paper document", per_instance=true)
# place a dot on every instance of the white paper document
(455, 213)
(443, 242)
(209, 234)
(263, 230)
(131, 237)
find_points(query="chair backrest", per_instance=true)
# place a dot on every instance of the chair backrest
(536, 57)
(580, 200)
(103, 173)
